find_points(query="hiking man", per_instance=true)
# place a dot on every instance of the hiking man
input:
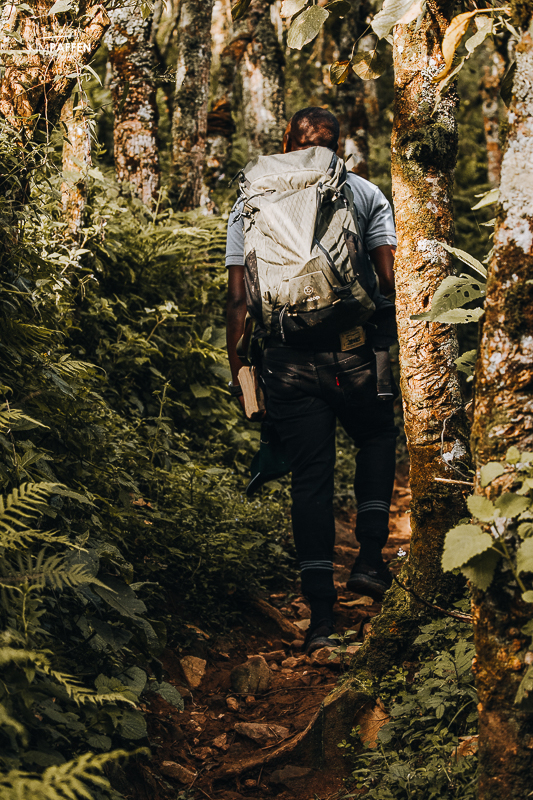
(326, 327)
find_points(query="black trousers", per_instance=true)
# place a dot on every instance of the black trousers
(307, 392)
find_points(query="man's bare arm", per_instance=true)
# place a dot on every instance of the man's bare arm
(383, 260)
(235, 317)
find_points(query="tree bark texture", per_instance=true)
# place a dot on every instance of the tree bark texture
(37, 79)
(76, 162)
(189, 123)
(254, 55)
(263, 83)
(424, 150)
(351, 102)
(490, 94)
(503, 416)
(133, 88)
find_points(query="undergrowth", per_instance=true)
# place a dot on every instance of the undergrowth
(123, 463)
(424, 751)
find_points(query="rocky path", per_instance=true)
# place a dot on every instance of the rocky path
(246, 698)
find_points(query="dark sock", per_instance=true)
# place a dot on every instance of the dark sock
(321, 613)
(370, 551)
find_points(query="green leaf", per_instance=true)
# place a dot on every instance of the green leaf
(484, 25)
(132, 725)
(512, 456)
(339, 71)
(490, 471)
(169, 693)
(487, 199)
(481, 508)
(511, 505)
(454, 291)
(291, 7)
(524, 556)
(525, 530)
(239, 9)
(339, 7)
(466, 258)
(467, 362)
(459, 316)
(527, 597)
(462, 543)
(506, 86)
(389, 16)
(369, 65)
(200, 391)
(61, 6)
(480, 570)
(306, 26)
(524, 695)
(120, 597)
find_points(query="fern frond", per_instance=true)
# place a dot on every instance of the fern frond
(41, 571)
(23, 504)
(6, 721)
(76, 692)
(10, 539)
(67, 781)
(15, 419)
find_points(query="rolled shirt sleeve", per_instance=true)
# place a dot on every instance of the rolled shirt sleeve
(235, 238)
(374, 212)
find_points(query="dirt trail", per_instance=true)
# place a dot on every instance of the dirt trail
(203, 748)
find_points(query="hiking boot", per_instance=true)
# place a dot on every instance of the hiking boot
(368, 580)
(319, 637)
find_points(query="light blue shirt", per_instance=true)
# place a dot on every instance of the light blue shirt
(376, 221)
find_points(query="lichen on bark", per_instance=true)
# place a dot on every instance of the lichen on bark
(76, 161)
(503, 417)
(133, 89)
(189, 121)
(36, 84)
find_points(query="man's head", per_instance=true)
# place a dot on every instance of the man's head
(310, 127)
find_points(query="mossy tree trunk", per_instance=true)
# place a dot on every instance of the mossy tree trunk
(35, 86)
(424, 149)
(133, 89)
(76, 162)
(189, 121)
(503, 416)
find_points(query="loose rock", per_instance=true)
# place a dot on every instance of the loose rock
(261, 733)
(232, 704)
(322, 657)
(252, 677)
(290, 663)
(221, 742)
(173, 770)
(303, 624)
(276, 655)
(193, 669)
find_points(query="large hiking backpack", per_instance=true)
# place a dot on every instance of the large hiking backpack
(307, 274)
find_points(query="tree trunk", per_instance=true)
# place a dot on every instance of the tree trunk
(189, 123)
(490, 94)
(424, 149)
(263, 83)
(503, 416)
(351, 104)
(76, 162)
(39, 82)
(133, 89)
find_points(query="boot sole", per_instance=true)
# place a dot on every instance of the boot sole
(364, 584)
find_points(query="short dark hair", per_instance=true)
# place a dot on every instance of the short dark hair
(314, 126)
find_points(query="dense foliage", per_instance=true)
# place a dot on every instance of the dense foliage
(123, 465)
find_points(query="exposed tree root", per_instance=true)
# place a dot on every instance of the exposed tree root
(283, 623)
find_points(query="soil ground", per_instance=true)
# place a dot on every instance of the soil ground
(194, 750)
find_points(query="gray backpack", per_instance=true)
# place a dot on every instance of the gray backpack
(307, 274)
